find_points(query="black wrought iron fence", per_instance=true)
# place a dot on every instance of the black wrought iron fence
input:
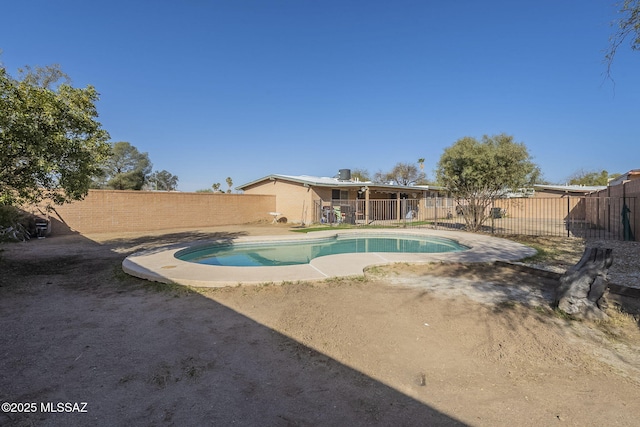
(585, 217)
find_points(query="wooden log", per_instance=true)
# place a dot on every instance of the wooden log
(581, 289)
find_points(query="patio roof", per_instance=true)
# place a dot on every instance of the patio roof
(582, 189)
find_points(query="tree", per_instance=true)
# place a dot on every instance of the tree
(581, 289)
(360, 175)
(582, 177)
(44, 77)
(216, 187)
(125, 169)
(478, 172)
(628, 26)
(230, 184)
(402, 174)
(162, 181)
(51, 144)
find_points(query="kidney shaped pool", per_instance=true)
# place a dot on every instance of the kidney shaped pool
(302, 252)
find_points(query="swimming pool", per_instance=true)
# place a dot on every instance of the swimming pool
(162, 265)
(296, 252)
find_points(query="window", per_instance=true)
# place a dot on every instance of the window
(339, 195)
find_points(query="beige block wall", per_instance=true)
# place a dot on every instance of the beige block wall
(124, 211)
(545, 194)
(538, 207)
(633, 190)
(630, 190)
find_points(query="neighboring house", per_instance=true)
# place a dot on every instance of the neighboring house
(629, 176)
(305, 199)
(542, 190)
(582, 190)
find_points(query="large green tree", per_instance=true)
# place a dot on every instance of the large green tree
(478, 172)
(126, 168)
(50, 141)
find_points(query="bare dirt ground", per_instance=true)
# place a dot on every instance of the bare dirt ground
(406, 345)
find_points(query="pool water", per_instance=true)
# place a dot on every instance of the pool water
(293, 253)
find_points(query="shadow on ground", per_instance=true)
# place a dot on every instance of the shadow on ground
(76, 329)
(131, 245)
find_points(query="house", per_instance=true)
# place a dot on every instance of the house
(308, 199)
(582, 190)
(543, 190)
(629, 176)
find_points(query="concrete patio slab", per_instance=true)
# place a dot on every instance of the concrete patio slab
(161, 265)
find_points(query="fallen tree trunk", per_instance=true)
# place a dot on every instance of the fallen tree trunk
(582, 287)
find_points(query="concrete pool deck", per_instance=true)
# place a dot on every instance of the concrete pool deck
(161, 265)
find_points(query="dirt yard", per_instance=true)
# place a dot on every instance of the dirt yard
(406, 345)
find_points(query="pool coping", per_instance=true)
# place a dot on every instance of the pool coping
(160, 264)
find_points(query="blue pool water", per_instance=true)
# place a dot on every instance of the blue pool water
(291, 253)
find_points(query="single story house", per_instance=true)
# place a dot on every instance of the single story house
(583, 190)
(308, 199)
(544, 190)
(625, 177)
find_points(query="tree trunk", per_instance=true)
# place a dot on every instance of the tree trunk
(582, 287)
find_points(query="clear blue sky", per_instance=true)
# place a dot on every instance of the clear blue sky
(245, 88)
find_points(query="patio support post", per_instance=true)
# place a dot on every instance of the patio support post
(366, 206)
(398, 206)
(569, 222)
(435, 213)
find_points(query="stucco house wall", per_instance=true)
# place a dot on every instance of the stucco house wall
(323, 193)
(297, 197)
(294, 201)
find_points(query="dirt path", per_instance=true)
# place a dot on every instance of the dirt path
(429, 345)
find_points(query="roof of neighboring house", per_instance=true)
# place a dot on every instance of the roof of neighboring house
(632, 174)
(585, 189)
(335, 182)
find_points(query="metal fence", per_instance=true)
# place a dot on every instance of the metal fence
(584, 217)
